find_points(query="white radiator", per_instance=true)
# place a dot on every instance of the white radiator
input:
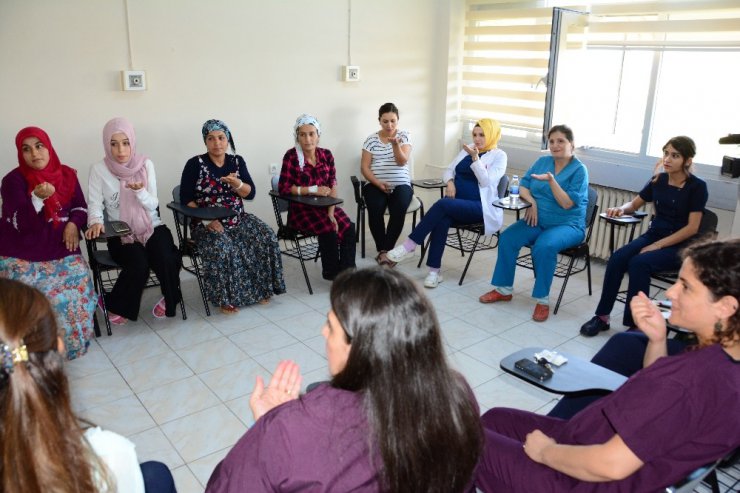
(599, 244)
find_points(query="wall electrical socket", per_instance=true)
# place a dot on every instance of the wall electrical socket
(351, 73)
(133, 80)
(274, 169)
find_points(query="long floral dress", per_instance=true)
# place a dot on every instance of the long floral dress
(243, 265)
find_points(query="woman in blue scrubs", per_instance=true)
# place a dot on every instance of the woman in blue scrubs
(557, 187)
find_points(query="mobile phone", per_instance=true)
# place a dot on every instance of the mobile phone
(539, 372)
(120, 227)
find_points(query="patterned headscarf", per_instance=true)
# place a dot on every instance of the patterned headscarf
(304, 119)
(491, 131)
(212, 125)
(134, 170)
(62, 177)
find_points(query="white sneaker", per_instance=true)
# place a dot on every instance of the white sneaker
(433, 280)
(397, 254)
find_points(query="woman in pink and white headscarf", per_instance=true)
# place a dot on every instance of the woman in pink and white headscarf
(123, 187)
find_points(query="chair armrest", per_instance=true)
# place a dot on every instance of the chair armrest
(109, 231)
(203, 213)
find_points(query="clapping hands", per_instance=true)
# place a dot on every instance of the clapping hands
(284, 386)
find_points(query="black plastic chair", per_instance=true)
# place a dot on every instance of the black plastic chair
(296, 244)
(105, 272)
(186, 246)
(666, 279)
(574, 259)
(357, 184)
(471, 238)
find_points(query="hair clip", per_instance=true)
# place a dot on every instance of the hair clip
(20, 354)
(9, 357)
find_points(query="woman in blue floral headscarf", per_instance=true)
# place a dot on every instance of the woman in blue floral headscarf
(241, 253)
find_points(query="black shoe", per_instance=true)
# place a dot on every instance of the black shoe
(594, 326)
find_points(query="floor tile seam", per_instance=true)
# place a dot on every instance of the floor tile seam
(269, 350)
(497, 367)
(196, 372)
(170, 382)
(170, 421)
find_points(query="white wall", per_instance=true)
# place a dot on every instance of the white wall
(254, 64)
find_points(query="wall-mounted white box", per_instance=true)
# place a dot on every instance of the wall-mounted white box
(133, 80)
(351, 73)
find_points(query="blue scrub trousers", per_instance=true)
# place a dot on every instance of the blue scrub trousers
(437, 221)
(628, 259)
(545, 242)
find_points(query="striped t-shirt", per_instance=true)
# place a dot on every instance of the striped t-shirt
(384, 165)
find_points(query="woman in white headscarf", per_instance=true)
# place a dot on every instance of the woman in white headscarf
(309, 170)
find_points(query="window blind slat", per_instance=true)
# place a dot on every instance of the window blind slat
(480, 61)
(535, 96)
(497, 77)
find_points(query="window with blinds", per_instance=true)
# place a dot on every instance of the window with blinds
(506, 51)
(629, 75)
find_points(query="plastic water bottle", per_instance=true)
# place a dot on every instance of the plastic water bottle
(514, 189)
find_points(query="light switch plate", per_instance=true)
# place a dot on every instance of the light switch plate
(351, 73)
(133, 80)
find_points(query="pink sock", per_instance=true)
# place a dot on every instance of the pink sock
(409, 245)
(604, 318)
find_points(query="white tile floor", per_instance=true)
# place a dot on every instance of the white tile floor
(179, 389)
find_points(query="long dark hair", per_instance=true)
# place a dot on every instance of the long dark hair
(717, 265)
(686, 147)
(421, 414)
(43, 448)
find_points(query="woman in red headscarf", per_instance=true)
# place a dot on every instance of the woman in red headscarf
(43, 210)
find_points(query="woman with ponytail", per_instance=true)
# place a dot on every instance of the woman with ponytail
(45, 447)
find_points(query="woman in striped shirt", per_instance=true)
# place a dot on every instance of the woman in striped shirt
(385, 157)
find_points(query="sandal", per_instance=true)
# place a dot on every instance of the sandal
(266, 301)
(112, 317)
(381, 259)
(159, 310)
(229, 309)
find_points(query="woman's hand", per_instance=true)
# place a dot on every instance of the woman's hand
(548, 177)
(650, 248)
(71, 236)
(471, 150)
(215, 227)
(323, 191)
(333, 221)
(384, 187)
(450, 190)
(44, 190)
(614, 212)
(648, 318)
(530, 214)
(135, 185)
(535, 445)
(231, 180)
(94, 231)
(284, 386)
